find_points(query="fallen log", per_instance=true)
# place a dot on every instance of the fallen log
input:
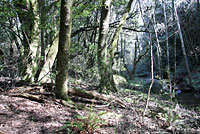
(96, 95)
(30, 97)
(79, 93)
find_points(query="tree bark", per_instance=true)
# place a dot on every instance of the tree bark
(167, 44)
(115, 39)
(152, 77)
(175, 47)
(63, 49)
(44, 76)
(158, 43)
(102, 46)
(183, 46)
(41, 4)
(35, 48)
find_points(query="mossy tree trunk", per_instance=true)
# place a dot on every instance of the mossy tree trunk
(102, 46)
(44, 76)
(28, 13)
(114, 41)
(63, 49)
(34, 45)
(106, 62)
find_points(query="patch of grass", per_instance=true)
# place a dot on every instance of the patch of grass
(84, 125)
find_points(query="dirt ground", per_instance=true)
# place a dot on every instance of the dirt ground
(21, 115)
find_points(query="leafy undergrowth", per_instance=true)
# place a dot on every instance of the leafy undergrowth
(23, 115)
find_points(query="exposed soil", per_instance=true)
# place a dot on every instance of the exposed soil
(19, 115)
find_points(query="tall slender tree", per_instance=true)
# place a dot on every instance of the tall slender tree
(175, 47)
(167, 43)
(183, 46)
(152, 77)
(157, 40)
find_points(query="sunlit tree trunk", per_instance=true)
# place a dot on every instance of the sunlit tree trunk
(48, 53)
(31, 33)
(28, 14)
(35, 48)
(102, 45)
(63, 49)
(183, 46)
(152, 77)
(44, 76)
(158, 42)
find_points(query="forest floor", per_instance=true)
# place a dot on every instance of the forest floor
(44, 114)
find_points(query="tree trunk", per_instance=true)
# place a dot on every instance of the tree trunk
(34, 44)
(158, 43)
(183, 47)
(167, 45)
(174, 71)
(197, 30)
(44, 76)
(28, 14)
(42, 37)
(102, 46)
(63, 49)
(116, 37)
(152, 77)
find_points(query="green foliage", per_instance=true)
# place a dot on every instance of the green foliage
(171, 117)
(1, 66)
(120, 2)
(84, 9)
(84, 125)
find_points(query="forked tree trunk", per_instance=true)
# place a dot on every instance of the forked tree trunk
(137, 59)
(63, 49)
